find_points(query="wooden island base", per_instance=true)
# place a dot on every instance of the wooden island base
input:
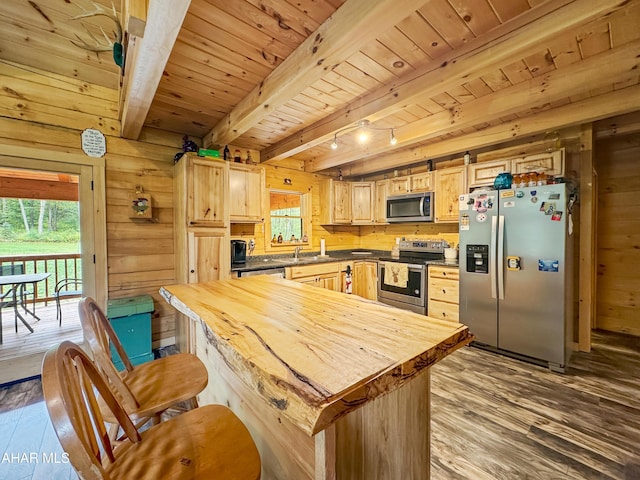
(331, 386)
(386, 438)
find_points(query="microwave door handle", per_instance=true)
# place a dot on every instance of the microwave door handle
(422, 206)
(492, 255)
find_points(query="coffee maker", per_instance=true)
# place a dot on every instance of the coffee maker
(238, 252)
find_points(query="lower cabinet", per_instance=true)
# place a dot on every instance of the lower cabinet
(324, 275)
(443, 292)
(365, 279)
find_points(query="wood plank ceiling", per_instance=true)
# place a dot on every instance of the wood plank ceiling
(283, 76)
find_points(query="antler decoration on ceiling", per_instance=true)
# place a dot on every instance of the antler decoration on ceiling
(114, 46)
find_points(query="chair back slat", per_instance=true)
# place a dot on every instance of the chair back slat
(69, 382)
(12, 269)
(98, 332)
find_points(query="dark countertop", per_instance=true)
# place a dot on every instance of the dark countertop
(262, 262)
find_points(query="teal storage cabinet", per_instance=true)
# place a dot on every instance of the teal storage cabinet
(131, 320)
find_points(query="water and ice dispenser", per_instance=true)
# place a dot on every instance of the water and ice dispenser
(478, 258)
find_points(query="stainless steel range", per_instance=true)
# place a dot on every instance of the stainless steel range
(402, 282)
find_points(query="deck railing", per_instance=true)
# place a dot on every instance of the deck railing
(60, 265)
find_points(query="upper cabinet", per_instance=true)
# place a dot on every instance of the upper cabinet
(201, 192)
(418, 182)
(422, 182)
(382, 190)
(449, 184)
(335, 201)
(363, 202)
(482, 174)
(246, 191)
(551, 163)
(399, 185)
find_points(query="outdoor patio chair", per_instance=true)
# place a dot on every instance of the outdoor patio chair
(61, 291)
(206, 442)
(6, 298)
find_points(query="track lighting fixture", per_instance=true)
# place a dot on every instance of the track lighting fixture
(364, 128)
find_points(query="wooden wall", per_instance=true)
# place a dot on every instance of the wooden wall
(46, 111)
(618, 233)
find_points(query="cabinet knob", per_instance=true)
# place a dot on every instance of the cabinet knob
(192, 271)
(444, 291)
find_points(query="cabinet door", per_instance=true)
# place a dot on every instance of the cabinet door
(551, 163)
(382, 189)
(207, 192)
(422, 182)
(246, 188)
(362, 202)
(400, 185)
(449, 185)
(341, 202)
(484, 173)
(366, 280)
(209, 254)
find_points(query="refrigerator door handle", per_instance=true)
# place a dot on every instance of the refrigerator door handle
(492, 255)
(500, 267)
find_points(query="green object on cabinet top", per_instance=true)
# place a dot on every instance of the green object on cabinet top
(124, 307)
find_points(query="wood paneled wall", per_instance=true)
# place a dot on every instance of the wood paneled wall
(618, 234)
(48, 112)
(336, 237)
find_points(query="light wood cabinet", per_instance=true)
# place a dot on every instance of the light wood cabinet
(246, 192)
(443, 293)
(363, 202)
(552, 163)
(205, 185)
(483, 174)
(335, 201)
(399, 185)
(323, 275)
(365, 279)
(201, 233)
(209, 254)
(450, 183)
(422, 182)
(382, 191)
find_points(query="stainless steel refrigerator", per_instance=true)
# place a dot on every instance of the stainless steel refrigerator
(516, 290)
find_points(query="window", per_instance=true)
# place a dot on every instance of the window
(289, 222)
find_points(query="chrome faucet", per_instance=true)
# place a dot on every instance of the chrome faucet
(296, 252)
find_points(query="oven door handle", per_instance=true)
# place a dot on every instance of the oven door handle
(415, 266)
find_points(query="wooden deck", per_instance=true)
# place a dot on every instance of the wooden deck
(21, 353)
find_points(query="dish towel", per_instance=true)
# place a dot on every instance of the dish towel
(396, 274)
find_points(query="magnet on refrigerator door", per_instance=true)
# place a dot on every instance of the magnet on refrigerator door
(557, 216)
(548, 265)
(548, 208)
(464, 221)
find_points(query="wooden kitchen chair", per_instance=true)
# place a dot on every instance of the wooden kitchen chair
(209, 442)
(146, 390)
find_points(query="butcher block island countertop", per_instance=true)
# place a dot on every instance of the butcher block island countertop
(312, 372)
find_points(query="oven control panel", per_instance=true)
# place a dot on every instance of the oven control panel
(429, 246)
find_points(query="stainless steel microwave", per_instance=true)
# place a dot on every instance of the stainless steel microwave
(412, 207)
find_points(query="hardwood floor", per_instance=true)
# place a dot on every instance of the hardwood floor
(492, 418)
(498, 418)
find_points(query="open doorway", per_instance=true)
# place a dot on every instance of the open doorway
(55, 204)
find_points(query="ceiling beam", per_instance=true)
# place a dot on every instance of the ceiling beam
(145, 64)
(505, 43)
(521, 99)
(353, 25)
(13, 187)
(618, 102)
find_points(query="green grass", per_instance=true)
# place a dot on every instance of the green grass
(30, 248)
